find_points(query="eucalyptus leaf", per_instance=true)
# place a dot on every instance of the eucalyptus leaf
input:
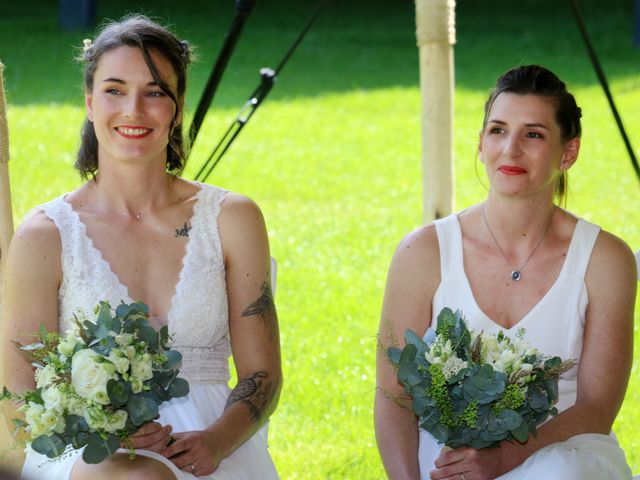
(393, 353)
(118, 392)
(179, 388)
(141, 409)
(99, 448)
(521, 434)
(50, 445)
(509, 419)
(174, 359)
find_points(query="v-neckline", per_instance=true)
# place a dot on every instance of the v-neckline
(107, 266)
(536, 306)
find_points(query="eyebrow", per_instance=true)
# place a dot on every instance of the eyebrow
(530, 125)
(122, 82)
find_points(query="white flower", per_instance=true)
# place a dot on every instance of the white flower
(116, 421)
(439, 351)
(49, 421)
(45, 376)
(33, 412)
(96, 417)
(452, 366)
(119, 359)
(141, 367)
(89, 375)
(136, 385)
(124, 339)
(66, 346)
(54, 399)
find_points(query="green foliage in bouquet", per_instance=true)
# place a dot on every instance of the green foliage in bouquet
(97, 385)
(473, 389)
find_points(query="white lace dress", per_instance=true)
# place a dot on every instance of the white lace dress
(555, 325)
(198, 320)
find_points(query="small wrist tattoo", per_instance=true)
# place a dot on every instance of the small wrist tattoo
(184, 231)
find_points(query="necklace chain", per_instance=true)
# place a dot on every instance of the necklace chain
(516, 273)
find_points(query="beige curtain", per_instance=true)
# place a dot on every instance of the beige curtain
(435, 33)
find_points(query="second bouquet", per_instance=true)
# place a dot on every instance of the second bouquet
(476, 389)
(99, 383)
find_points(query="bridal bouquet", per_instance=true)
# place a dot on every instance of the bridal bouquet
(99, 383)
(476, 389)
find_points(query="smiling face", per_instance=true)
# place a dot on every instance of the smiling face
(132, 116)
(522, 147)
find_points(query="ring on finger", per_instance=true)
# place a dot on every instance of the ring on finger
(193, 469)
(462, 477)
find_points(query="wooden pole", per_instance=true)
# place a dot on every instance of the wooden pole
(10, 455)
(6, 217)
(435, 33)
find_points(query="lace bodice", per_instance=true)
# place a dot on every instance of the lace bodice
(198, 319)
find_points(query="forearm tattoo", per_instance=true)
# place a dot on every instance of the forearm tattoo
(264, 308)
(256, 392)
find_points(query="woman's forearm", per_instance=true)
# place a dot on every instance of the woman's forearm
(397, 437)
(249, 406)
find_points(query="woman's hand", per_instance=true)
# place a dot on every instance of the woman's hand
(194, 452)
(151, 436)
(471, 464)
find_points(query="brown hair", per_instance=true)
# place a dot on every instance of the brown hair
(537, 80)
(141, 32)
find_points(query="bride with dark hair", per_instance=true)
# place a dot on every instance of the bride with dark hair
(196, 254)
(518, 260)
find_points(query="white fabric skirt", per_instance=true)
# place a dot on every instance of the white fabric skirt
(200, 408)
(583, 457)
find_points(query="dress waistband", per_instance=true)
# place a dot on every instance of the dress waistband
(204, 365)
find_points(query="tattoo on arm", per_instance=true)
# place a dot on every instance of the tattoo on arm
(266, 310)
(183, 231)
(256, 392)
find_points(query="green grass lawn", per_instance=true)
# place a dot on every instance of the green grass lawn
(333, 159)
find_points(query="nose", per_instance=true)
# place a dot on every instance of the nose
(512, 146)
(133, 106)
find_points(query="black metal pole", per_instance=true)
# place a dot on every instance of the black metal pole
(605, 86)
(267, 79)
(243, 9)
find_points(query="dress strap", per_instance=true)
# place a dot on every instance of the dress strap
(450, 243)
(580, 249)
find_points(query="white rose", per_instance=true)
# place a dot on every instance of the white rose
(141, 367)
(89, 376)
(116, 421)
(119, 359)
(54, 399)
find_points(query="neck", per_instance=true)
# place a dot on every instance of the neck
(135, 190)
(518, 226)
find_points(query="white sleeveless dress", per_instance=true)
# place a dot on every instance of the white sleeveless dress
(198, 320)
(555, 326)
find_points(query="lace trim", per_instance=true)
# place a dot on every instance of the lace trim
(198, 317)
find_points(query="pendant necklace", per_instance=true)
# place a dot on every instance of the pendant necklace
(516, 273)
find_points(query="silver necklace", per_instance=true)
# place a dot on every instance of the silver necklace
(516, 273)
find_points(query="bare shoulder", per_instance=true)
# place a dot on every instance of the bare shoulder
(240, 209)
(34, 253)
(38, 232)
(419, 248)
(612, 266)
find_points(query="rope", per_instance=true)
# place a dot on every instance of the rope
(435, 21)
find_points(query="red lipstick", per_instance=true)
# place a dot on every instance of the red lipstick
(511, 170)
